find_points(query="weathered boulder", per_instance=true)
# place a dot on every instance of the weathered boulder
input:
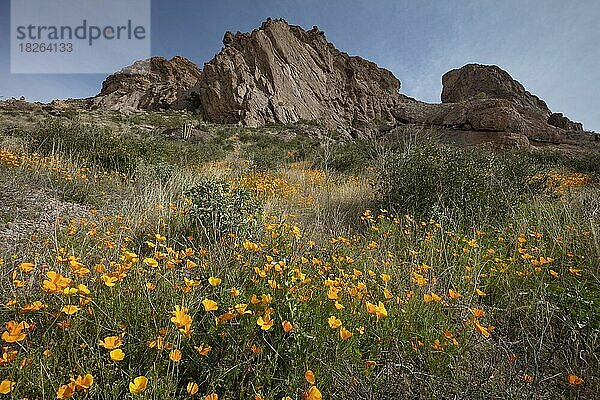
(153, 84)
(282, 73)
(560, 121)
(475, 81)
(485, 104)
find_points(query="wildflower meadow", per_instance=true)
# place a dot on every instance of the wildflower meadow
(239, 265)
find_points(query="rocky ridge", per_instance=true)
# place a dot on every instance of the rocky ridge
(154, 84)
(483, 103)
(281, 73)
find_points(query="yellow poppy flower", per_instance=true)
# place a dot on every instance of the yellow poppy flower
(35, 306)
(70, 309)
(14, 332)
(287, 326)
(6, 386)
(333, 293)
(371, 308)
(83, 382)
(138, 385)
(109, 281)
(345, 333)
(111, 342)
(175, 355)
(117, 355)
(380, 311)
(214, 281)
(419, 279)
(480, 328)
(151, 262)
(265, 323)
(180, 317)
(192, 388)
(202, 349)
(313, 394)
(55, 283)
(210, 305)
(65, 391)
(574, 380)
(26, 266)
(453, 294)
(241, 309)
(334, 322)
(477, 312)
(310, 377)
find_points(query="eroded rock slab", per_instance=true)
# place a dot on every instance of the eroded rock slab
(282, 73)
(154, 84)
(483, 103)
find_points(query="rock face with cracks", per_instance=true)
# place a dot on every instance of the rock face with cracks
(281, 73)
(154, 84)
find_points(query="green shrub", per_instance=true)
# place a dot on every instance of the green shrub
(217, 209)
(267, 152)
(469, 186)
(116, 151)
(347, 157)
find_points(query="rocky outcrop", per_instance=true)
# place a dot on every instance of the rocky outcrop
(485, 104)
(282, 73)
(475, 81)
(153, 84)
(560, 121)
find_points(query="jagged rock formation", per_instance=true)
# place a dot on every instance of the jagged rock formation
(475, 81)
(153, 84)
(484, 103)
(282, 73)
(560, 121)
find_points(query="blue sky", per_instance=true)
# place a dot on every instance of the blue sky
(551, 46)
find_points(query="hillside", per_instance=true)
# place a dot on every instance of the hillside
(285, 224)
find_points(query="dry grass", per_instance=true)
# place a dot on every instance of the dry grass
(426, 309)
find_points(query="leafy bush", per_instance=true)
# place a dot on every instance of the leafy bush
(123, 152)
(471, 186)
(349, 157)
(217, 209)
(267, 152)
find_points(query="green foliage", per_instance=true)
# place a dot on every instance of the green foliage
(472, 186)
(349, 157)
(102, 147)
(218, 209)
(268, 152)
